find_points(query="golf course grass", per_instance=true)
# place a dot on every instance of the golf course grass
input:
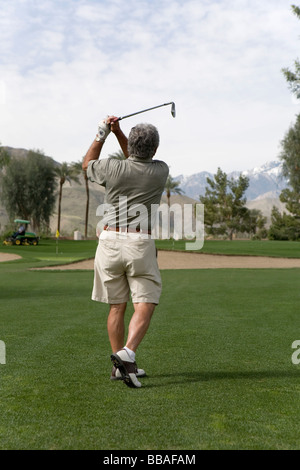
(217, 356)
(285, 249)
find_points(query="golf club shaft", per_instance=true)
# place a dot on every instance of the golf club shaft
(144, 111)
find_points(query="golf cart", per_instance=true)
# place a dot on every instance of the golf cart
(21, 236)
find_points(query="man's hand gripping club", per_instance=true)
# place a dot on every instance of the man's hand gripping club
(110, 124)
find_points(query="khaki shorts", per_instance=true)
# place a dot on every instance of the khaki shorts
(126, 265)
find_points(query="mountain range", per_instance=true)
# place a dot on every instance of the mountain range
(265, 181)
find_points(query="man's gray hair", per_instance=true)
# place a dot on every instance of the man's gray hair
(143, 141)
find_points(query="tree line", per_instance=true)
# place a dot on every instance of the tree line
(29, 187)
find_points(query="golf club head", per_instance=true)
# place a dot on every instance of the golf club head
(173, 110)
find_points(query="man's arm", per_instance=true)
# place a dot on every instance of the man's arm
(93, 153)
(122, 139)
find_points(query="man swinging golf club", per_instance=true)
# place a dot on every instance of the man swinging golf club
(125, 260)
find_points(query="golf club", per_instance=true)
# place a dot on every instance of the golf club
(173, 111)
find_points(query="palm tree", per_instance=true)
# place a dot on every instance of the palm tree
(65, 172)
(78, 167)
(172, 187)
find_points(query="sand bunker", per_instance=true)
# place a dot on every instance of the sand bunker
(9, 257)
(183, 260)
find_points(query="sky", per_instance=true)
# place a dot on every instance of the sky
(65, 65)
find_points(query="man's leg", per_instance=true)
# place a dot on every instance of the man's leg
(115, 326)
(139, 324)
(124, 359)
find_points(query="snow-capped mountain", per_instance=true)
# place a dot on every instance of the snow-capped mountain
(264, 181)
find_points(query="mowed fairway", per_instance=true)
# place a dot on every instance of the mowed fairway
(218, 359)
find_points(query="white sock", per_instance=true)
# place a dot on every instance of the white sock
(130, 353)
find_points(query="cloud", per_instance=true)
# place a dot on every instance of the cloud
(64, 65)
